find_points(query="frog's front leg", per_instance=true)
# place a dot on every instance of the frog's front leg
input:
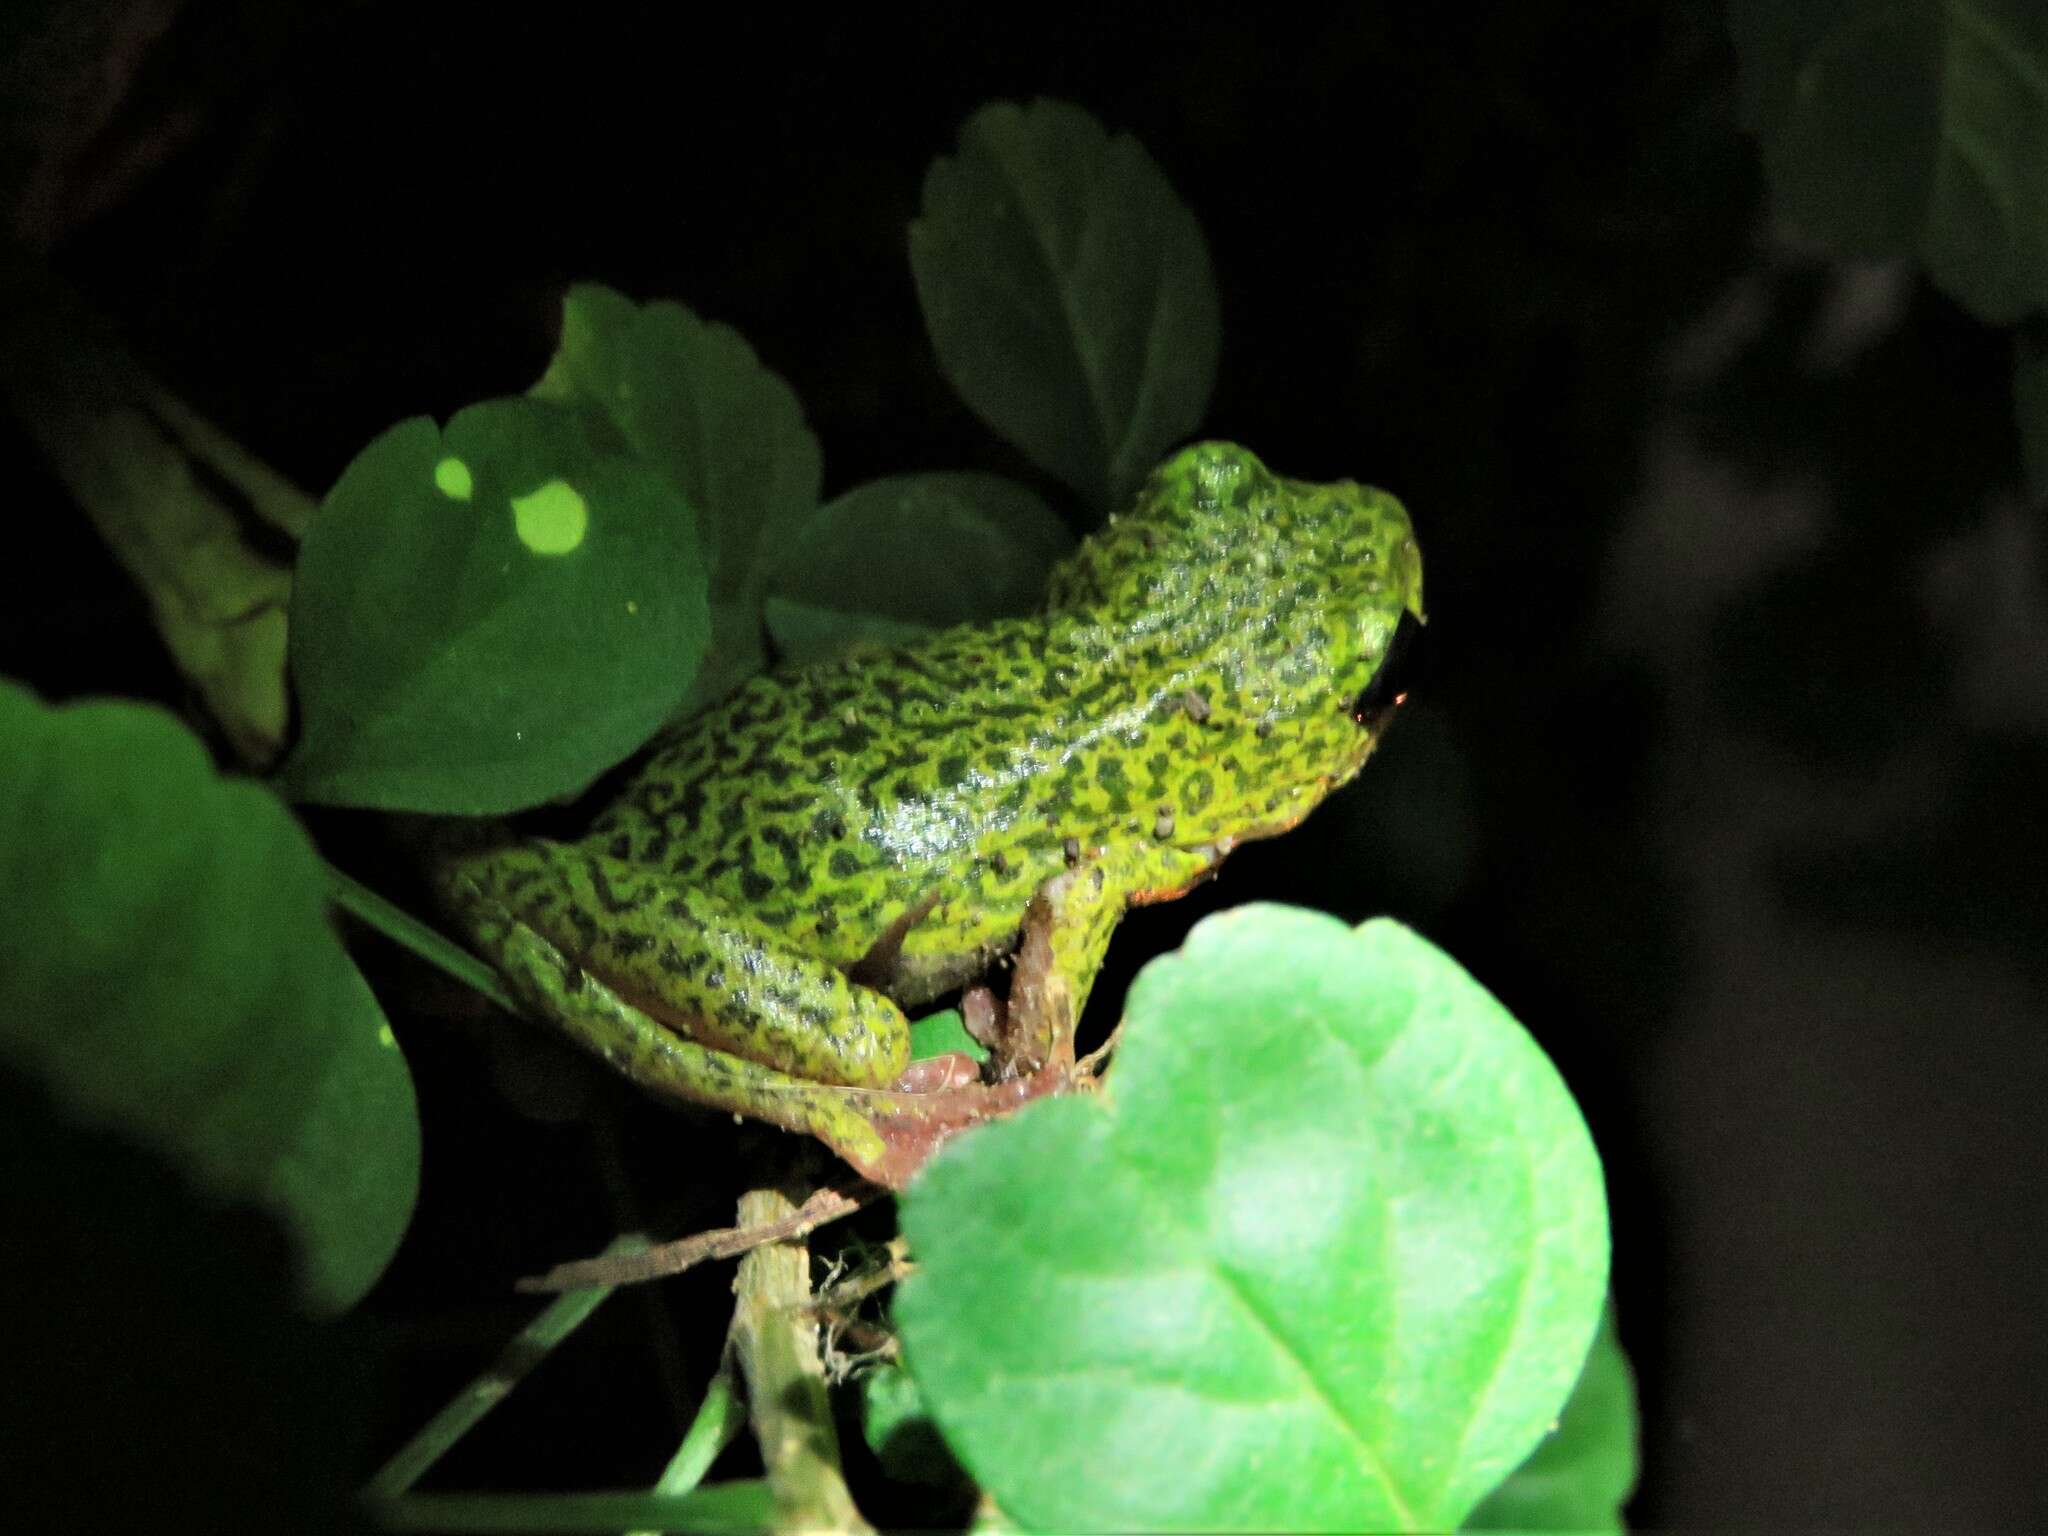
(1066, 934)
(679, 991)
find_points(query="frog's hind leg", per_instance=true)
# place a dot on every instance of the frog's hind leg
(668, 1064)
(714, 974)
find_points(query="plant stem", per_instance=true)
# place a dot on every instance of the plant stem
(775, 1337)
(176, 500)
(718, 1423)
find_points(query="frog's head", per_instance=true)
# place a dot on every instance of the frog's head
(1284, 606)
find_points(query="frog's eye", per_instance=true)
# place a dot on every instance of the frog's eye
(1396, 675)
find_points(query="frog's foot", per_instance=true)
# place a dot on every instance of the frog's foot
(910, 1127)
(1040, 1018)
(936, 1074)
(999, 1026)
(1066, 932)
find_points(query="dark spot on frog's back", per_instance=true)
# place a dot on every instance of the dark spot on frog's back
(796, 874)
(997, 710)
(905, 759)
(609, 895)
(772, 762)
(852, 738)
(818, 705)
(627, 942)
(755, 886)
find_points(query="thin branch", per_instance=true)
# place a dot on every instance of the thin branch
(824, 1205)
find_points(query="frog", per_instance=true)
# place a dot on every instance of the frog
(748, 921)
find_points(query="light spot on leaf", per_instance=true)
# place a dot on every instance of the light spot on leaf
(385, 1038)
(551, 520)
(452, 479)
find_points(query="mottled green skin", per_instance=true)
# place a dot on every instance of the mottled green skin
(1189, 686)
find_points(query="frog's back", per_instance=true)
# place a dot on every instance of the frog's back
(827, 801)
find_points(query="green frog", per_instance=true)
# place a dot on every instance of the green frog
(796, 865)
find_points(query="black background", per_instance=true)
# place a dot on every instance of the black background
(1724, 771)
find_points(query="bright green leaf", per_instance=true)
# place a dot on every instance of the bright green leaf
(489, 615)
(1328, 1257)
(167, 969)
(1921, 128)
(1068, 293)
(691, 398)
(1585, 1469)
(938, 1033)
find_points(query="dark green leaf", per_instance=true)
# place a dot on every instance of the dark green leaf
(167, 969)
(932, 550)
(805, 634)
(895, 559)
(900, 1433)
(1328, 1257)
(489, 615)
(691, 398)
(1909, 128)
(172, 1380)
(1585, 1469)
(1068, 293)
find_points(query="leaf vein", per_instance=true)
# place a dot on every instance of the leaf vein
(1369, 1454)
